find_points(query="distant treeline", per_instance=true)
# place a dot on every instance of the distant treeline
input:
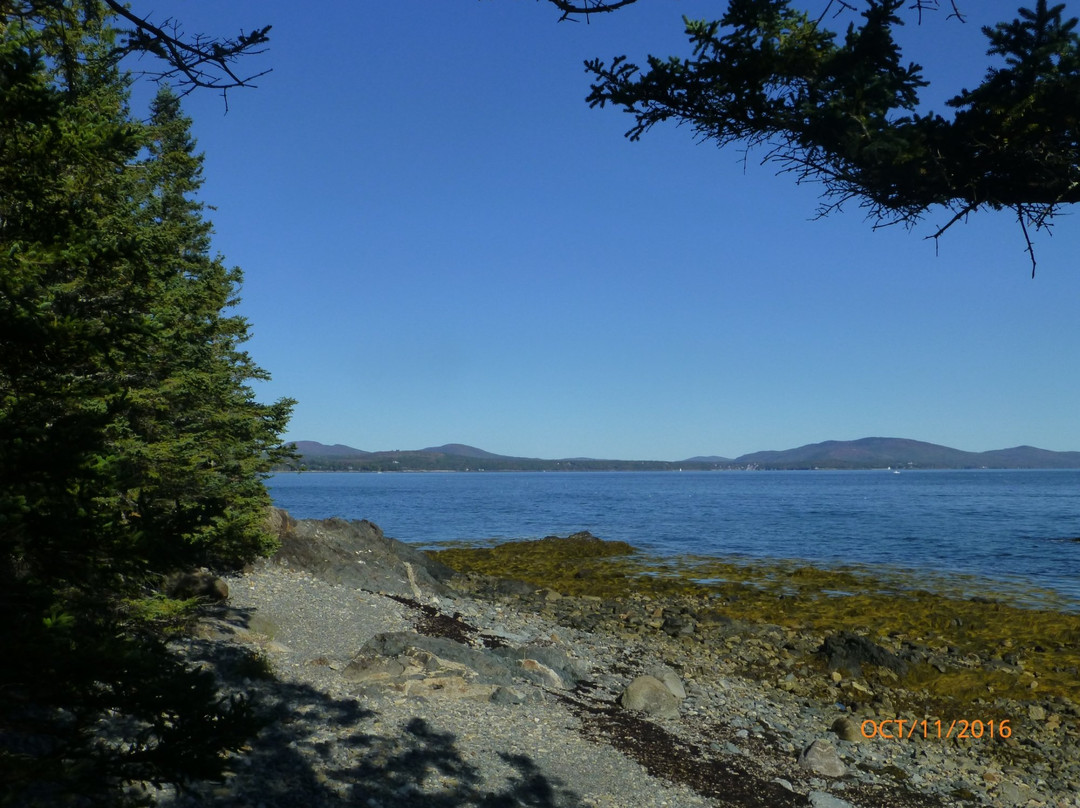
(425, 461)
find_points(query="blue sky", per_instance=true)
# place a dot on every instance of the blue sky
(442, 243)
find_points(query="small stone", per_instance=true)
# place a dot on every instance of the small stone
(847, 729)
(861, 688)
(822, 799)
(1036, 712)
(837, 676)
(543, 673)
(1013, 794)
(648, 694)
(820, 758)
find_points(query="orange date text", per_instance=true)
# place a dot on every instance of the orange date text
(906, 729)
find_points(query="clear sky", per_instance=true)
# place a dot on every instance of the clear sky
(443, 243)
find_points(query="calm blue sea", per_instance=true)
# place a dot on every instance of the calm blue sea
(1015, 527)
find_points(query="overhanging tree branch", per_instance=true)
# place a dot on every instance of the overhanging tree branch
(587, 7)
(844, 111)
(198, 61)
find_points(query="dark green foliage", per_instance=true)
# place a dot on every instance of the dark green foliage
(195, 440)
(845, 111)
(93, 704)
(128, 427)
(131, 443)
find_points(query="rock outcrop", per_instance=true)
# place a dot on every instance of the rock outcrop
(358, 555)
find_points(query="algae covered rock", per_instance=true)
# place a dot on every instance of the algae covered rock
(848, 652)
(847, 729)
(584, 544)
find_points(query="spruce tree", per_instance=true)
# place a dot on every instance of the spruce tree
(197, 441)
(73, 309)
(131, 443)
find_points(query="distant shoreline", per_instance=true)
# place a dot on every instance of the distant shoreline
(865, 454)
(883, 470)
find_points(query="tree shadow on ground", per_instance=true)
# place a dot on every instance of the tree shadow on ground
(423, 767)
(319, 750)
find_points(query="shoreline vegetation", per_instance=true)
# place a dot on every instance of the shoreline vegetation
(864, 454)
(867, 645)
(960, 648)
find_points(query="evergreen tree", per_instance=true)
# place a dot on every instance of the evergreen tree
(130, 435)
(131, 443)
(197, 441)
(73, 310)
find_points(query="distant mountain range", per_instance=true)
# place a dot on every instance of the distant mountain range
(866, 453)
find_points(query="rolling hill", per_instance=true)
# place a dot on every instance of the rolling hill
(865, 453)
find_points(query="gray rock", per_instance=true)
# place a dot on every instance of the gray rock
(670, 679)
(542, 675)
(357, 555)
(511, 586)
(569, 672)
(1014, 794)
(820, 758)
(647, 694)
(822, 799)
(504, 695)
(489, 668)
(371, 667)
(678, 625)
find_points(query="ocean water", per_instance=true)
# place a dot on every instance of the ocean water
(1014, 528)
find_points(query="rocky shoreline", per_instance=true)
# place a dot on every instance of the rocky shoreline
(389, 678)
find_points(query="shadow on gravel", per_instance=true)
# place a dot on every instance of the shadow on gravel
(316, 750)
(394, 771)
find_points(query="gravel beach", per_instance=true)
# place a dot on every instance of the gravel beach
(419, 688)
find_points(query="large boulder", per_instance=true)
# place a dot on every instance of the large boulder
(358, 555)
